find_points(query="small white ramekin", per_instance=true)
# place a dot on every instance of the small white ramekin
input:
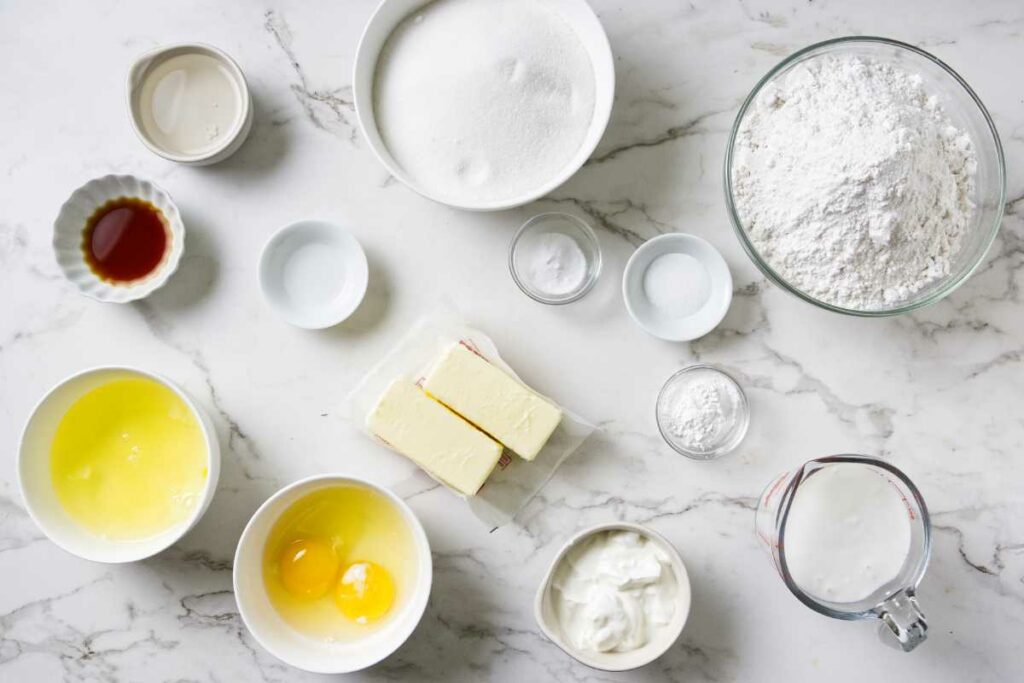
(36, 481)
(544, 613)
(283, 641)
(656, 322)
(69, 233)
(242, 125)
(334, 242)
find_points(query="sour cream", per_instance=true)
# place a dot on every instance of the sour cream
(613, 592)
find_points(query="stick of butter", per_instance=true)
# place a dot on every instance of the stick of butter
(495, 402)
(434, 437)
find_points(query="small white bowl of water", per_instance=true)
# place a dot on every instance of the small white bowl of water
(314, 274)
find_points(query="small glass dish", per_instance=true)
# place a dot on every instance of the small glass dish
(557, 223)
(735, 407)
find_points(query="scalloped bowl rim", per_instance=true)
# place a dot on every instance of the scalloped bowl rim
(87, 282)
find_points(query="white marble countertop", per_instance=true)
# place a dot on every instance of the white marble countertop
(937, 392)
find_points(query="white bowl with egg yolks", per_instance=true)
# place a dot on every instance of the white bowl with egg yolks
(297, 649)
(35, 478)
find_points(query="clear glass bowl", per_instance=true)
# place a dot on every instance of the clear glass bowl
(964, 109)
(725, 442)
(561, 223)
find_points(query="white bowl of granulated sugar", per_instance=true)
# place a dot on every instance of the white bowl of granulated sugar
(483, 105)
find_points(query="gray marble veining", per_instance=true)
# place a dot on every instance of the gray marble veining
(938, 391)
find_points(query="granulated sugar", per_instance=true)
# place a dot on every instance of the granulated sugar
(854, 184)
(483, 100)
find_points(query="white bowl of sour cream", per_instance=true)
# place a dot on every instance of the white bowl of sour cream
(615, 598)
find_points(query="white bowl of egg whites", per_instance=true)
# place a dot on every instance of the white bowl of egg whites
(371, 70)
(656, 641)
(36, 478)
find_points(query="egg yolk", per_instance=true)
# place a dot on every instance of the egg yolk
(365, 592)
(308, 568)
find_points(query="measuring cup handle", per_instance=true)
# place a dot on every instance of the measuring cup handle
(902, 617)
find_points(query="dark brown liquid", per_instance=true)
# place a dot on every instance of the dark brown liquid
(125, 239)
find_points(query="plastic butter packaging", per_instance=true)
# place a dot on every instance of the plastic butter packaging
(444, 398)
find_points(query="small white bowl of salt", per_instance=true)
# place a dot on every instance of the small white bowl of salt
(677, 287)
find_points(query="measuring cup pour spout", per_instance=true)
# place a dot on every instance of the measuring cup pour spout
(893, 603)
(902, 617)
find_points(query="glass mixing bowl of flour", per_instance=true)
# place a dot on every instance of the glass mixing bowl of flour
(822, 211)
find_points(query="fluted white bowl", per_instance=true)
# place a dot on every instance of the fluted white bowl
(69, 229)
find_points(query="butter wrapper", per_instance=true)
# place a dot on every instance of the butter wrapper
(514, 481)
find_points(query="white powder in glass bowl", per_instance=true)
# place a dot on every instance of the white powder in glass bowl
(852, 182)
(702, 411)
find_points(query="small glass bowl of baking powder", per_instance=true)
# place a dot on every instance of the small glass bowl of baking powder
(702, 412)
(555, 258)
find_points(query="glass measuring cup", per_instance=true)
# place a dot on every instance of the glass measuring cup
(894, 603)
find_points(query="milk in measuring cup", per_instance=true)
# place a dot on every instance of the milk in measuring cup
(848, 533)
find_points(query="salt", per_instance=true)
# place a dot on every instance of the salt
(483, 101)
(678, 285)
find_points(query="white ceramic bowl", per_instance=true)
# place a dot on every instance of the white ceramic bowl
(287, 644)
(313, 273)
(242, 124)
(577, 13)
(654, 320)
(69, 229)
(544, 612)
(37, 487)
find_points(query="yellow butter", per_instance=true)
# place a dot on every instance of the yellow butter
(434, 437)
(493, 400)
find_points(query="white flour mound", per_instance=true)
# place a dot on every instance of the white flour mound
(701, 412)
(854, 184)
(485, 100)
